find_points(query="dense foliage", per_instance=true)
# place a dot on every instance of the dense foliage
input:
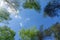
(32, 4)
(6, 33)
(52, 7)
(28, 34)
(4, 14)
(55, 29)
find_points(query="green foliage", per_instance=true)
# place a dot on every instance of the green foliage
(28, 34)
(4, 15)
(55, 29)
(47, 32)
(40, 35)
(51, 8)
(32, 4)
(6, 33)
(34, 34)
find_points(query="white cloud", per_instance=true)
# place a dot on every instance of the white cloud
(21, 24)
(17, 16)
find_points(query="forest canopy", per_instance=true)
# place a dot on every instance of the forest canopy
(6, 33)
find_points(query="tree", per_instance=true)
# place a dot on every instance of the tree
(13, 4)
(6, 33)
(32, 4)
(32, 34)
(4, 15)
(55, 29)
(28, 34)
(52, 7)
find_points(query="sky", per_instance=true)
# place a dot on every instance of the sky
(29, 17)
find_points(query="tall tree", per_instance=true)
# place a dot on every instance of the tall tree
(32, 34)
(28, 34)
(55, 29)
(52, 7)
(15, 4)
(4, 14)
(32, 4)
(6, 33)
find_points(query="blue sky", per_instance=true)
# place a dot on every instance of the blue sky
(30, 17)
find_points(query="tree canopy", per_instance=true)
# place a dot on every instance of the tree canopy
(32, 4)
(28, 34)
(55, 29)
(32, 34)
(4, 14)
(6, 33)
(51, 8)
